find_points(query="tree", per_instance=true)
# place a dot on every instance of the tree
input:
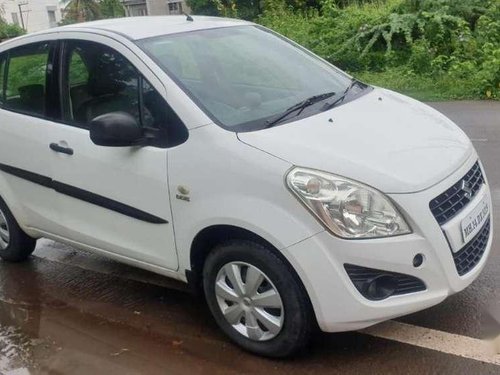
(81, 11)
(90, 10)
(111, 8)
(204, 7)
(245, 9)
(9, 31)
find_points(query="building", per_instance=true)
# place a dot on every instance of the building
(135, 8)
(31, 15)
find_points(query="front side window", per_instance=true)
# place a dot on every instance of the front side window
(244, 76)
(98, 80)
(25, 89)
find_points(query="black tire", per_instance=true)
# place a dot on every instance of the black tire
(298, 320)
(20, 245)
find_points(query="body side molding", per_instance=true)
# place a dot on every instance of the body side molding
(83, 195)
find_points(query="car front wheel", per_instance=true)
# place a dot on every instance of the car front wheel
(256, 299)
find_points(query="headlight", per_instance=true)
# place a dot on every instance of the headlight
(347, 208)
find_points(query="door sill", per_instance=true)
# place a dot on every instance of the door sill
(120, 258)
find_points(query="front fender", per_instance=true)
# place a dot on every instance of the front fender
(214, 179)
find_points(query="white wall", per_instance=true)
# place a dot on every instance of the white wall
(161, 7)
(35, 13)
(155, 7)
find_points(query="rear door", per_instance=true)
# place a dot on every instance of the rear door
(112, 198)
(26, 117)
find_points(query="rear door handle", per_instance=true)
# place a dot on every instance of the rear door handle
(63, 150)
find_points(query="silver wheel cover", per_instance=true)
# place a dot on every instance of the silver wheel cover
(249, 301)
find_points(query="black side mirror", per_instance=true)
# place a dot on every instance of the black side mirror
(115, 129)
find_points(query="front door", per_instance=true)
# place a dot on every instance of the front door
(112, 198)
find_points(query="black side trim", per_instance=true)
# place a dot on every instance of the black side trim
(83, 195)
(30, 176)
(101, 201)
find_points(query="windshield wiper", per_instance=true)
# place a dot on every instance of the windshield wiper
(299, 107)
(353, 83)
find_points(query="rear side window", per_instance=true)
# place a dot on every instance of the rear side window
(25, 89)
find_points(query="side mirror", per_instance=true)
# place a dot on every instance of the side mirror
(115, 129)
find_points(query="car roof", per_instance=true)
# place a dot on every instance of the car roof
(135, 28)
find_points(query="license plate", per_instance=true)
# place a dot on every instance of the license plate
(473, 223)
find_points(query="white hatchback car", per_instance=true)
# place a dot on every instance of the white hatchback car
(219, 153)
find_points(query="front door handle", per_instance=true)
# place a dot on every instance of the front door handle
(63, 150)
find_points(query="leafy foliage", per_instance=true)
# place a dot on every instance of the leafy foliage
(90, 10)
(250, 9)
(444, 48)
(8, 31)
(435, 41)
(245, 9)
(111, 8)
(81, 11)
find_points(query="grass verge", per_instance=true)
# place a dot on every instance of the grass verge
(424, 88)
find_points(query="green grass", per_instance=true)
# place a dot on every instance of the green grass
(424, 88)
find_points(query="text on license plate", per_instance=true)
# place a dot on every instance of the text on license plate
(473, 223)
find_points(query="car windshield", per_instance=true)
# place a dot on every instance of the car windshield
(246, 77)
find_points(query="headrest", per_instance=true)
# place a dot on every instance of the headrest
(30, 92)
(102, 84)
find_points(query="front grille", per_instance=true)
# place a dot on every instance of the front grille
(470, 255)
(361, 276)
(448, 204)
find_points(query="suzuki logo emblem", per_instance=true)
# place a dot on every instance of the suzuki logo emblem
(466, 189)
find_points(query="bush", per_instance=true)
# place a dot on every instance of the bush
(431, 41)
(8, 31)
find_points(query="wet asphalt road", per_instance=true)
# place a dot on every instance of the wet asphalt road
(69, 312)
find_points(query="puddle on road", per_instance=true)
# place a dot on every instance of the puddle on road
(58, 319)
(18, 347)
(15, 350)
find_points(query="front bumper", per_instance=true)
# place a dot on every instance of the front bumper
(339, 306)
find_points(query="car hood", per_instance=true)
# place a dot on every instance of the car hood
(383, 139)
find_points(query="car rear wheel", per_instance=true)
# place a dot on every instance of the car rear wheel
(256, 299)
(15, 245)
